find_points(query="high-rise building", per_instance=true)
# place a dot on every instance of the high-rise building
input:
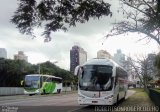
(3, 53)
(103, 54)
(77, 57)
(119, 57)
(21, 56)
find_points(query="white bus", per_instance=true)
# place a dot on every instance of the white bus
(101, 82)
(42, 84)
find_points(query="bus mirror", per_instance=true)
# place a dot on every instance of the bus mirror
(22, 82)
(76, 70)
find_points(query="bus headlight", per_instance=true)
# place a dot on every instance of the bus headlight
(81, 96)
(37, 91)
(109, 97)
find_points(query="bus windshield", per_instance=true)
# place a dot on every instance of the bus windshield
(95, 78)
(32, 81)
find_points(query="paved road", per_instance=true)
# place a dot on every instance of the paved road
(44, 103)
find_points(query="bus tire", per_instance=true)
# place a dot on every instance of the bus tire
(117, 100)
(58, 91)
(124, 96)
(44, 92)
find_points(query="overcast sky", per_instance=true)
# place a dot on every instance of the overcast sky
(89, 36)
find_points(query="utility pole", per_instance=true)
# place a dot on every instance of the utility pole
(39, 69)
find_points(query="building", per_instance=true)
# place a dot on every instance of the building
(20, 56)
(77, 57)
(119, 57)
(3, 53)
(103, 54)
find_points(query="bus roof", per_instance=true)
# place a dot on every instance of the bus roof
(101, 61)
(44, 75)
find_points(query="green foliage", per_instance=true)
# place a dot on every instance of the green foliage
(56, 14)
(13, 71)
(51, 69)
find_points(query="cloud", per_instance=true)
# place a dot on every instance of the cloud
(96, 26)
(7, 8)
(89, 36)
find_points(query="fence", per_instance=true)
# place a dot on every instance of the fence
(11, 91)
(66, 89)
(155, 96)
(20, 91)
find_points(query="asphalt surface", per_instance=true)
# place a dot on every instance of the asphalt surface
(45, 103)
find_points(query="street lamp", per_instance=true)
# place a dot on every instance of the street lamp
(39, 68)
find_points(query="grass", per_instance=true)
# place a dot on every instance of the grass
(158, 90)
(137, 89)
(139, 98)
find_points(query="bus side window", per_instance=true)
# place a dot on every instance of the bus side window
(116, 81)
(49, 79)
(59, 81)
(53, 80)
(44, 79)
(56, 80)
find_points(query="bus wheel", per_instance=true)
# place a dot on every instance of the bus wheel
(59, 91)
(117, 100)
(124, 96)
(44, 92)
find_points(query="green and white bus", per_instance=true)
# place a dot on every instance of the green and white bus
(42, 84)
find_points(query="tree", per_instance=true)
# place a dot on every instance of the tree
(56, 14)
(13, 71)
(157, 62)
(143, 70)
(142, 16)
(52, 69)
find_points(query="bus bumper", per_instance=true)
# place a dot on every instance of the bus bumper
(31, 92)
(95, 101)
